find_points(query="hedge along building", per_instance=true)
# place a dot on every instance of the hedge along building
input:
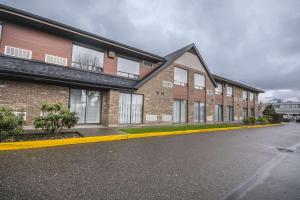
(109, 83)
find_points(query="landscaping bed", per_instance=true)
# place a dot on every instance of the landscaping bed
(38, 136)
(167, 128)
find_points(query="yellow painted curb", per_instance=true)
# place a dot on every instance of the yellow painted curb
(8, 146)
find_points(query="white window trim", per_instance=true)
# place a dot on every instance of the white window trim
(199, 86)
(66, 60)
(5, 52)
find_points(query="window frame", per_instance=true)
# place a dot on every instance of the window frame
(219, 92)
(251, 94)
(228, 113)
(220, 116)
(244, 92)
(130, 117)
(1, 29)
(229, 86)
(199, 86)
(127, 74)
(180, 109)
(178, 82)
(90, 48)
(199, 112)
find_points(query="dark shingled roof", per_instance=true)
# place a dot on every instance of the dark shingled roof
(11, 67)
(225, 80)
(170, 58)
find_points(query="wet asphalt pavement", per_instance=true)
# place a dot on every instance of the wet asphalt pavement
(246, 164)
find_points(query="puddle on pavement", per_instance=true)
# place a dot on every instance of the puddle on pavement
(285, 150)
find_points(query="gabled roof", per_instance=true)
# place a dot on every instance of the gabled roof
(241, 85)
(170, 58)
(20, 16)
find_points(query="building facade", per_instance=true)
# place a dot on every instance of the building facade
(290, 110)
(109, 83)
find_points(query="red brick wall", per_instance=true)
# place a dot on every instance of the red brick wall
(199, 95)
(219, 99)
(40, 43)
(180, 92)
(110, 64)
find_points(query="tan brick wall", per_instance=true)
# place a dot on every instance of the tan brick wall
(110, 108)
(28, 97)
(158, 100)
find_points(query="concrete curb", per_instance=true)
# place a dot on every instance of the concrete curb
(9, 146)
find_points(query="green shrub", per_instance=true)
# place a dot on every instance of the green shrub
(263, 120)
(54, 118)
(246, 121)
(252, 120)
(9, 122)
(276, 118)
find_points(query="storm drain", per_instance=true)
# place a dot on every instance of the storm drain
(285, 150)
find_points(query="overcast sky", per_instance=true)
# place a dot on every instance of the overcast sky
(256, 42)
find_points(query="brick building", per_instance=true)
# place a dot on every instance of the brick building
(109, 83)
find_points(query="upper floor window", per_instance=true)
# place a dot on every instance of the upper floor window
(199, 81)
(219, 89)
(17, 52)
(229, 90)
(87, 59)
(251, 96)
(148, 64)
(55, 60)
(0, 30)
(128, 68)
(244, 94)
(180, 76)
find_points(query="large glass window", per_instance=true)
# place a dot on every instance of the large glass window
(87, 59)
(180, 76)
(0, 29)
(218, 113)
(199, 81)
(229, 90)
(86, 104)
(252, 112)
(245, 113)
(128, 68)
(180, 111)
(130, 108)
(244, 94)
(230, 113)
(219, 89)
(251, 96)
(199, 112)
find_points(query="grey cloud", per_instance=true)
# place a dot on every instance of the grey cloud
(255, 42)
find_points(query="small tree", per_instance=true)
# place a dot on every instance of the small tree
(55, 117)
(269, 110)
(9, 122)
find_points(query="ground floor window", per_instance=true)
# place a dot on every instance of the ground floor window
(180, 111)
(218, 113)
(230, 113)
(245, 113)
(252, 112)
(86, 104)
(130, 108)
(199, 112)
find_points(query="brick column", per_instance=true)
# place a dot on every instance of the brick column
(190, 96)
(110, 108)
(224, 99)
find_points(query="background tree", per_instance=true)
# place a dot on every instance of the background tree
(269, 110)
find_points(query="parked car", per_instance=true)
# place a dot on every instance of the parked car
(298, 120)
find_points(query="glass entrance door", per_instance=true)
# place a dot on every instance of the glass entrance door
(86, 104)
